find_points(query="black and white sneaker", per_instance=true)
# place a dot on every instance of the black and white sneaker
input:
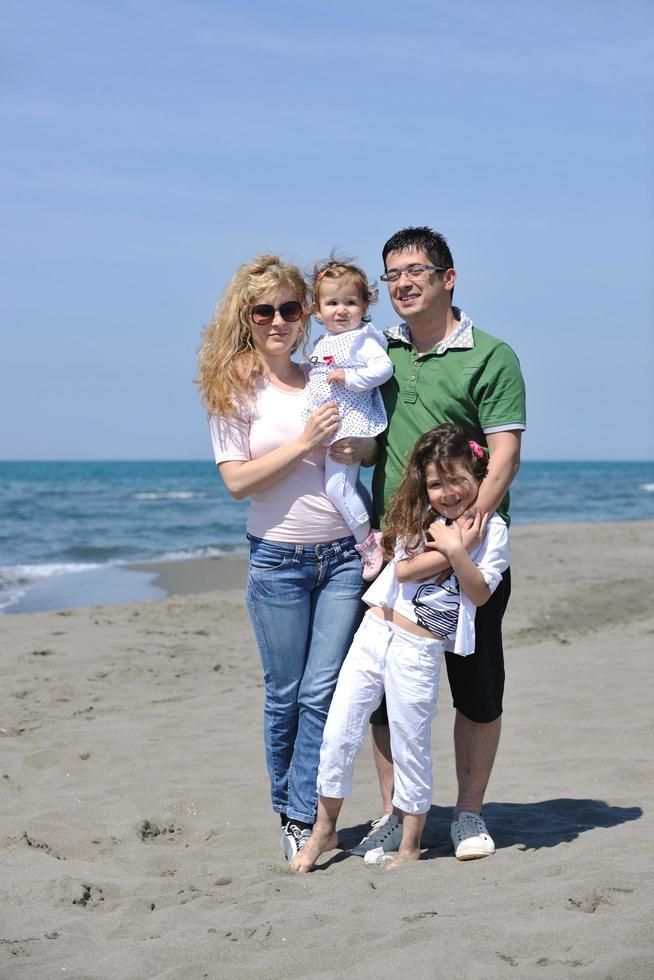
(294, 838)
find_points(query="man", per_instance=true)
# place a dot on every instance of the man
(446, 370)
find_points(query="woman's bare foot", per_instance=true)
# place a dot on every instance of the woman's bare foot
(319, 842)
(404, 854)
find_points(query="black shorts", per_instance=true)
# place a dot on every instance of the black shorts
(477, 681)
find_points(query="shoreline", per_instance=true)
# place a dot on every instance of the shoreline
(193, 576)
(156, 580)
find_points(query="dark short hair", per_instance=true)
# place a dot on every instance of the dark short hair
(424, 239)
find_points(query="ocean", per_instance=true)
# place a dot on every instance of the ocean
(69, 529)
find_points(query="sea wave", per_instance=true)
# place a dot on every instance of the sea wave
(188, 554)
(648, 487)
(170, 495)
(15, 580)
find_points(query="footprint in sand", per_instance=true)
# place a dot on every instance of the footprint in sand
(150, 829)
(89, 897)
(40, 845)
(591, 903)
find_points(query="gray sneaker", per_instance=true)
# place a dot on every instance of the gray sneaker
(385, 832)
(470, 837)
(293, 839)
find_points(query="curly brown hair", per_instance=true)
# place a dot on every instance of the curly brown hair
(410, 513)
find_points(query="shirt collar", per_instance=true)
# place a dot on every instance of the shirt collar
(461, 338)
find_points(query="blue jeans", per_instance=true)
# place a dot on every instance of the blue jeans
(305, 606)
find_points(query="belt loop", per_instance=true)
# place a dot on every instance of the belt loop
(297, 556)
(338, 551)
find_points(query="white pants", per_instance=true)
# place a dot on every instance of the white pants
(341, 488)
(384, 657)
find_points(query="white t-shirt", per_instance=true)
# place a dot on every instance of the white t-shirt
(296, 508)
(444, 609)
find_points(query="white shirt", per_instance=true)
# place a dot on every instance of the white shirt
(444, 609)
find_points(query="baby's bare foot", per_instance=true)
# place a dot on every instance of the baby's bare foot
(404, 854)
(319, 842)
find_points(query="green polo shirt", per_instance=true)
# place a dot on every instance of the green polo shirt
(479, 386)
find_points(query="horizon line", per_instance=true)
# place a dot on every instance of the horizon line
(158, 459)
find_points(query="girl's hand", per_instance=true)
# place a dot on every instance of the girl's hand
(473, 528)
(446, 538)
(321, 425)
(336, 377)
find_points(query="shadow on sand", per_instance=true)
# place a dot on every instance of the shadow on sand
(545, 823)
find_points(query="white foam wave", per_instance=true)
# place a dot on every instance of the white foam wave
(170, 495)
(189, 554)
(16, 579)
(26, 573)
(648, 487)
(9, 597)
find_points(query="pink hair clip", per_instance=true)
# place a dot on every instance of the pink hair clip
(476, 448)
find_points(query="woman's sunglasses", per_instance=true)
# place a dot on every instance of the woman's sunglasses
(264, 314)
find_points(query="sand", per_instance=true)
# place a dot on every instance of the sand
(135, 829)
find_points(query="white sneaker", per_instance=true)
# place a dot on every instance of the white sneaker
(385, 832)
(470, 838)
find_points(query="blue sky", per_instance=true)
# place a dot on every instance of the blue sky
(150, 147)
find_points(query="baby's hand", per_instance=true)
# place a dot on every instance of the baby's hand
(336, 377)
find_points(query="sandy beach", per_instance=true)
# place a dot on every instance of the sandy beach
(136, 833)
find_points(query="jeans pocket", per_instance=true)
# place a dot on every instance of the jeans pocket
(267, 558)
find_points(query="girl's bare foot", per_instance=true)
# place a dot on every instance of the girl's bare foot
(319, 842)
(404, 854)
(413, 825)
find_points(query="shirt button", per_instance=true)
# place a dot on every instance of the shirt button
(412, 377)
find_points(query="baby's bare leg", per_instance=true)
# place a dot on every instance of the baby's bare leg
(323, 837)
(413, 825)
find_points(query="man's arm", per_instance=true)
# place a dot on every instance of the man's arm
(504, 463)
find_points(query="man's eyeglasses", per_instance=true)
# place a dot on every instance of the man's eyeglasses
(414, 271)
(264, 313)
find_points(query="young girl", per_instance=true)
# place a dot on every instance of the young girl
(412, 618)
(349, 363)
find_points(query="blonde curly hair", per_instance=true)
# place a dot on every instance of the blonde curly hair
(229, 366)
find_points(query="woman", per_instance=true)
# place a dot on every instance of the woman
(304, 582)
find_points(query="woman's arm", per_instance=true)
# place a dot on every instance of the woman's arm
(245, 477)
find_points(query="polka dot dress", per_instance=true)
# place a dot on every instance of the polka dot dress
(362, 412)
